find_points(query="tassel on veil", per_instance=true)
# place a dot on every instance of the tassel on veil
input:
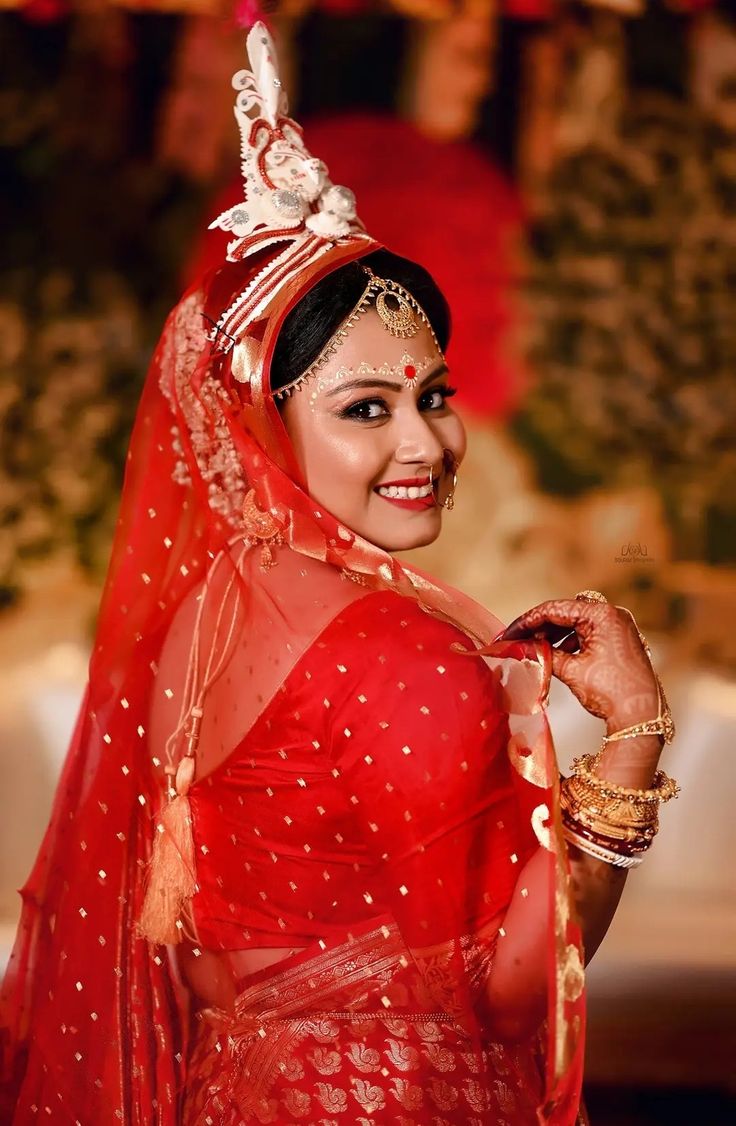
(172, 877)
(172, 873)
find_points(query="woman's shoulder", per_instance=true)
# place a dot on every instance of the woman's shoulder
(386, 638)
(385, 615)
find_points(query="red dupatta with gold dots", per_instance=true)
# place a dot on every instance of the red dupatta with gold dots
(94, 1018)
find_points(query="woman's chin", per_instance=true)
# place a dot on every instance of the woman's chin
(414, 533)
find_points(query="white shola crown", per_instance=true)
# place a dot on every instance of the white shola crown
(288, 196)
(286, 188)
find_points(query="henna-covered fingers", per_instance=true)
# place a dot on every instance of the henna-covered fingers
(609, 670)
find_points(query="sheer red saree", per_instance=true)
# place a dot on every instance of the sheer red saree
(228, 584)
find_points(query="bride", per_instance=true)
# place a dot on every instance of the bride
(310, 860)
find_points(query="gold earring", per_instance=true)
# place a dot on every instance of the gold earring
(432, 482)
(449, 501)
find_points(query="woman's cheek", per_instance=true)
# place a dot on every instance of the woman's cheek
(454, 437)
(348, 449)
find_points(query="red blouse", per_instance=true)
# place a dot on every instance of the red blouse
(381, 759)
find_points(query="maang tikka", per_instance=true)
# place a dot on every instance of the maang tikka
(292, 208)
(400, 312)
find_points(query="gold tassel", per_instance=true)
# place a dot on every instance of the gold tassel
(172, 875)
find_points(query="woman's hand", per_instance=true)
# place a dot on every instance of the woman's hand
(610, 674)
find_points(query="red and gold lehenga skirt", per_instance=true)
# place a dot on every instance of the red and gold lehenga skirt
(344, 1037)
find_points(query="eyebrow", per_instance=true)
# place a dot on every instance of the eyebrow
(439, 369)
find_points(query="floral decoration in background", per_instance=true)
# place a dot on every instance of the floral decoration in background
(94, 232)
(631, 314)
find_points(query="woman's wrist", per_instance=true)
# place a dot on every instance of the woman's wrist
(627, 714)
(631, 763)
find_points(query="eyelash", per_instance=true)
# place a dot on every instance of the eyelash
(351, 412)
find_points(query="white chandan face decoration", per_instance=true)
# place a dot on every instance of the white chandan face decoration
(407, 371)
(370, 428)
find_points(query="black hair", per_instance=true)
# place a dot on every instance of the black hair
(312, 323)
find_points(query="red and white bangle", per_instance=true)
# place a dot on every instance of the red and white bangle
(598, 852)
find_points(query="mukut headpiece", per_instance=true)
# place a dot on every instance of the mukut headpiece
(290, 206)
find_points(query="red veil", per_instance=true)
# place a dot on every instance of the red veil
(224, 573)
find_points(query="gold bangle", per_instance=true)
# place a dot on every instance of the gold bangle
(622, 820)
(664, 787)
(601, 793)
(599, 836)
(637, 839)
(616, 808)
(658, 726)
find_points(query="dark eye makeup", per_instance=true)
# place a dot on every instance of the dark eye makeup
(362, 409)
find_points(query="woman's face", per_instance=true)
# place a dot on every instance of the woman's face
(362, 437)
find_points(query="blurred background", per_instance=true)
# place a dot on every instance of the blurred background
(568, 173)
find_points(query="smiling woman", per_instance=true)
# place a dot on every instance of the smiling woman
(374, 435)
(307, 857)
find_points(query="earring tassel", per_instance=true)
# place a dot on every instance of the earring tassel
(171, 876)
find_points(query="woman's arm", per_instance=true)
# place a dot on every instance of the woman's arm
(517, 986)
(597, 886)
(612, 677)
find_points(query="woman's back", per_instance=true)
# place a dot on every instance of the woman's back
(286, 850)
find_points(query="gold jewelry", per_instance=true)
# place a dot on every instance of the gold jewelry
(649, 727)
(664, 788)
(449, 501)
(663, 724)
(618, 819)
(261, 528)
(607, 820)
(399, 320)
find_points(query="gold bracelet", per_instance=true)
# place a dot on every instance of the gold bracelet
(658, 726)
(636, 840)
(590, 789)
(615, 808)
(664, 787)
(618, 820)
(663, 724)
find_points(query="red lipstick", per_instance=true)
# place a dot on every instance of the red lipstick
(419, 504)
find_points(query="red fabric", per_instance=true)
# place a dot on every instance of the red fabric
(224, 576)
(386, 1059)
(278, 772)
(431, 202)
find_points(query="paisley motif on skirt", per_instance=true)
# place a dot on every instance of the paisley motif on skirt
(314, 1045)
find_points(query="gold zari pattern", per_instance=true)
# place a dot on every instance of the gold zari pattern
(328, 1040)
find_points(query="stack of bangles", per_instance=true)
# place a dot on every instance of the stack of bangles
(609, 822)
(613, 823)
